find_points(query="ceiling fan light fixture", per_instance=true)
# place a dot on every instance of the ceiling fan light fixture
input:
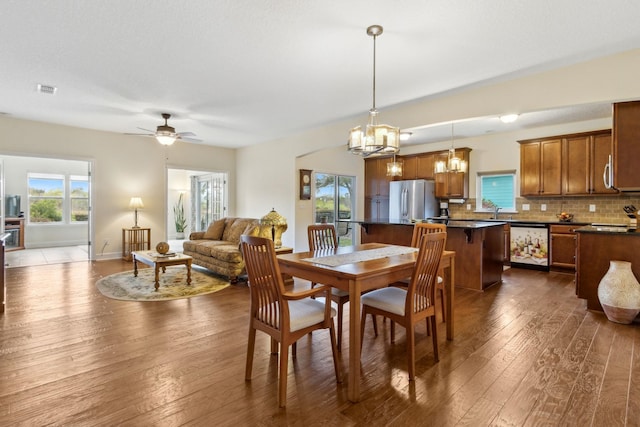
(166, 138)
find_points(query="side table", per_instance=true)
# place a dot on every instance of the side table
(135, 239)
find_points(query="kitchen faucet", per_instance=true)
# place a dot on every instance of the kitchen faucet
(495, 212)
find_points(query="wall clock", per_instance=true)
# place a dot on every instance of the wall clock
(305, 184)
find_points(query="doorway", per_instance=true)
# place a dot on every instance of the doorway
(50, 200)
(194, 200)
(334, 200)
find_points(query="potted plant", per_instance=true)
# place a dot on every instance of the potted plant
(179, 218)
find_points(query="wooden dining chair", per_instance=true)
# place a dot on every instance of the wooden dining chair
(323, 236)
(414, 304)
(283, 315)
(419, 230)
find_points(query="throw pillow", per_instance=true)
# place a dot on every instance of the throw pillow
(215, 230)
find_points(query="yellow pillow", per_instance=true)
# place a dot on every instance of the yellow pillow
(215, 230)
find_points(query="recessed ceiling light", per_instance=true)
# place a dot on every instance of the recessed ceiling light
(49, 90)
(509, 118)
(404, 136)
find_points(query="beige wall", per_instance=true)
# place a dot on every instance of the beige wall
(123, 166)
(612, 78)
(267, 174)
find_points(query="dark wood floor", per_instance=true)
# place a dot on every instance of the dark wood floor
(526, 353)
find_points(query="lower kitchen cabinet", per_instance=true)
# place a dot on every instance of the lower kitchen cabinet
(563, 246)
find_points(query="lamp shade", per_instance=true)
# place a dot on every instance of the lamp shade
(277, 224)
(136, 203)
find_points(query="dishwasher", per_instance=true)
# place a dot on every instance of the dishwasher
(529, 245)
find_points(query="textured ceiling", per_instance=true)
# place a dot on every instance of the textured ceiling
(240, 72)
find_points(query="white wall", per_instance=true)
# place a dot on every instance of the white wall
(124, 166)
(269, 171)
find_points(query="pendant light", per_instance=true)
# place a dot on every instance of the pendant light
(377, 138)
(394, 168)
(454, 163)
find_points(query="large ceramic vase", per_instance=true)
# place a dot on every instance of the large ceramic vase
(619, 293)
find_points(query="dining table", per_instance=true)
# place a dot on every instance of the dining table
(362, 268)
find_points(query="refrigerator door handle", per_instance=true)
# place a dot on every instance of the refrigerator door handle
(405, 195)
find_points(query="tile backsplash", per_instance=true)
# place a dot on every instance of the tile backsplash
(608, 209)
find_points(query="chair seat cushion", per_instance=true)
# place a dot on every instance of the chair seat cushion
(339, 292)
(306, 312)
(389, 299)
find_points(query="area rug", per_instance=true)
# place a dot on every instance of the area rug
(173, 284)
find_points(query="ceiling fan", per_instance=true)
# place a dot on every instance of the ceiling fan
(167, 135)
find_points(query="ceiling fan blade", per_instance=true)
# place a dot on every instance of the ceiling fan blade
(142, 134)
(182, 138)
(187, 134)
(148, 130)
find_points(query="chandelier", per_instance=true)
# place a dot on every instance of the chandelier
(376, 138)
(454, 163)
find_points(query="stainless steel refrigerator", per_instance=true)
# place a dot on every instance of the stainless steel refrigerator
(414, 199)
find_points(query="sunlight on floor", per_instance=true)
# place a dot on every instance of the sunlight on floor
(42, 256)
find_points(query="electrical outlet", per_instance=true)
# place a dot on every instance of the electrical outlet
(468, 206)
(543, 207)
(592, 208)
(525, 207)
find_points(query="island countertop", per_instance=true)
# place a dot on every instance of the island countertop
(479, 246)
(452, 223)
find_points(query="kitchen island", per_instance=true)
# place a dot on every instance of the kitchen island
(479, 246)
(597, 246)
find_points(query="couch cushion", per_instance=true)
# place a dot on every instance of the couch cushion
(233, 232)
(215, 230)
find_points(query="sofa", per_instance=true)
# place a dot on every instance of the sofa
(218, 248)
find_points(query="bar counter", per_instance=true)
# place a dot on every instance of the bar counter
(479, 246)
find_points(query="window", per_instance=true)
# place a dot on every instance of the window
(496, 190)
(46, 198)
(58, 199)
(79, 194)
(329, 189)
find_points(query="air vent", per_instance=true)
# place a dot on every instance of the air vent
(49, 90)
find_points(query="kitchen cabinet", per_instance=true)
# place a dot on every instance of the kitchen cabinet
(595, 251)
(626, 145)
(507, 245)
(418, 166)
(562, 248)
(376, 188)
(541, 167)
(452, 185)
(584, 157)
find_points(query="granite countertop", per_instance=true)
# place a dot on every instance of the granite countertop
(608, 229)
(453, 223)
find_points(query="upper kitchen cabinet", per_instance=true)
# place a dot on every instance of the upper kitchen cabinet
(585, 157)
(376, 187)
(626, 145)
(418, 166)
(541, 167)
(452, 185)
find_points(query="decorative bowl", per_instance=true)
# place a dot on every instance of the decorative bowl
(565, 217)
(162, 247)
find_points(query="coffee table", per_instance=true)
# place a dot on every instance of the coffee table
(157, 261)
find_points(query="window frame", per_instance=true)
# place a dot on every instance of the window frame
(66, 200)
(479, 190)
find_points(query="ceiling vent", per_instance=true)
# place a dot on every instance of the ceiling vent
(49, 90)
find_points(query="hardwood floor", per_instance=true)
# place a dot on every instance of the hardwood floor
(526, 352)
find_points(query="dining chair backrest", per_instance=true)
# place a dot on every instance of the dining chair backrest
(421, 290)
(322, 236)
(422, 228)
(266, 284)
